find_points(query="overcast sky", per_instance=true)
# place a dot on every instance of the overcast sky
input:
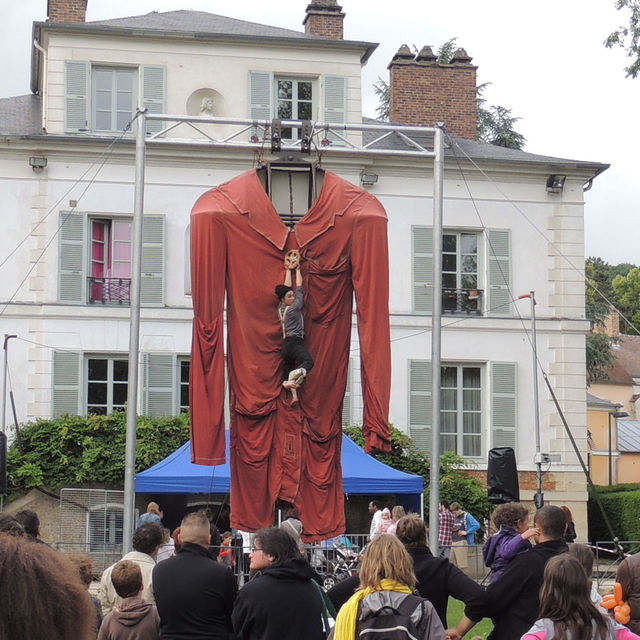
(545, 59)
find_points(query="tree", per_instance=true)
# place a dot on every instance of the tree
(495, 124)
(598, 289)
(628, 37)
(627, 294)
(599, 356)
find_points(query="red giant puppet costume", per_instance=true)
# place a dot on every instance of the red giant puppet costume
(279, 450)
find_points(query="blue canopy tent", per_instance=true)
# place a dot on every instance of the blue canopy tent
(361, 474)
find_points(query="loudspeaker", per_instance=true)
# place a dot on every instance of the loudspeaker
(3, 463)
(502, 476)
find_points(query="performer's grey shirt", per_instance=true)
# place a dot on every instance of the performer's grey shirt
(291, 316)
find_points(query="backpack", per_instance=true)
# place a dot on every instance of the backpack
(390, 623)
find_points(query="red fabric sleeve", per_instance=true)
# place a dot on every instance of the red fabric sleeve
(370, 275)
(206, 374)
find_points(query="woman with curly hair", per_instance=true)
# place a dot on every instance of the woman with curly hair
(42, 595)
(387, 582)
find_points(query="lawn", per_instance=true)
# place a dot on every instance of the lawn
(454, 613)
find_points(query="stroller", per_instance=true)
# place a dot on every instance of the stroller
(344, 564)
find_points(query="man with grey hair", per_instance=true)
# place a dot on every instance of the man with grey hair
(194, 594)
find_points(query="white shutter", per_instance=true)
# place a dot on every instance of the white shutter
(504, 387)
(71, 257)
(152, 281)
(499, 261)
(260, 98)
(153, 94)
(76, 95)
(420, 403)
(334, 97)
(158, 384)
(67, 370)
(347, 402)
(422, 249)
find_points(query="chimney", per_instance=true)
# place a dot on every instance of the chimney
(610, 324)
(324, 18)
(66, 10)
(423, 92)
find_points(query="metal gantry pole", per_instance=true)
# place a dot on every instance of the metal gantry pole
(134, 336)
(539, 497)
(436, 322)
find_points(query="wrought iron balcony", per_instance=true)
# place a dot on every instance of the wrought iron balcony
(109, 290)
(460, 301)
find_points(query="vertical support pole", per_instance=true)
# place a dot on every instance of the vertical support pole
(539, 497)
(134, 336)
(436, 321)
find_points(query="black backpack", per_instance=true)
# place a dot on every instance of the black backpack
(390, 623)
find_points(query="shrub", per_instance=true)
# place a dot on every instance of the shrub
(622, 506)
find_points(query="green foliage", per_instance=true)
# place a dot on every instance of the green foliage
(455, 483)
(599, 292)
(622, 506)
(599, 356)
(381, 89)
(628, 36)
(626, 289)
(446, 51)
(72, 450)
(495, 124)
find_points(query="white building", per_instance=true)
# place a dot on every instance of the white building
(66, 236)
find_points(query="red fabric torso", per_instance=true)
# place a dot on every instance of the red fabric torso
(277, 450)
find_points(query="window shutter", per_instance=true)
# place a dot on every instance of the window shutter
(503, 404)
(76, 95)
(499, 260)
(187, 261)
(153, 94)
(420, 403)
(71, 257)
(422, 246)
(67, 368)
(152, 285)
(347, 408)
(335, 103)
(158, 384)
(260, 98)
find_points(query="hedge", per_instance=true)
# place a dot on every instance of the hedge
(622, 507)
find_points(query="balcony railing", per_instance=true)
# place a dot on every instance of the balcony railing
(467, 301)
(109, 290)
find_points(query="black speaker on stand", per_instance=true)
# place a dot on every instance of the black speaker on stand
(502, 476)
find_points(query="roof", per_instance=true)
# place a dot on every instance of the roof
(21, 116)
(626, 365)
(200, 25)
(594, 401)
(629, 436)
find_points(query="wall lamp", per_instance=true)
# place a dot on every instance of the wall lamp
(555, 183)
(37, 163)
(368, 179)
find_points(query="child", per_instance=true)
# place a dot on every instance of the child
(133, 617)
(385, 522)
(512, 537)
(226, 552)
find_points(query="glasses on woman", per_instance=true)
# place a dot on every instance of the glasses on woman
(254, 549)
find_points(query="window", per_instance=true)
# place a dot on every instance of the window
(461, 410)
(113, 97)
(105, 526)
(106, 384)
(94, 259)
(294, 101)
(460, 272)
(184, 385)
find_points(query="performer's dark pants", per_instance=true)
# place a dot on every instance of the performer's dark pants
(295, 355)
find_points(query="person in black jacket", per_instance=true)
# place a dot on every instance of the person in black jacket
(281, 602)
(194, 593)
(513, 599)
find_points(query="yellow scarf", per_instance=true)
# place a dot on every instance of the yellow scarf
(345, 628)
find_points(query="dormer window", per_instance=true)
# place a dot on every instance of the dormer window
(113, 97)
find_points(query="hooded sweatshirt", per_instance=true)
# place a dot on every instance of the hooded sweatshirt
(501, 548)
(132, 619)
(281, 604)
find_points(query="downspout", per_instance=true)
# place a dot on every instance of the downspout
(44, 83)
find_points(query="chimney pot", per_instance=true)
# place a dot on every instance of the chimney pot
(461, 57)
(426, 55)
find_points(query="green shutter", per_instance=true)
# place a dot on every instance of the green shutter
(334, 97)
(504, 387)
(71, 257)
(347, 402)
(67, 370)
(499, 260)
(420, 407)
(76, 95)
(158, 384)
(422, 249)
(153, 94)
(152, 280)
(260, 98)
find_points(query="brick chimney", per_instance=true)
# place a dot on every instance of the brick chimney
(66, 10)
(423, 92)
(324, 18)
